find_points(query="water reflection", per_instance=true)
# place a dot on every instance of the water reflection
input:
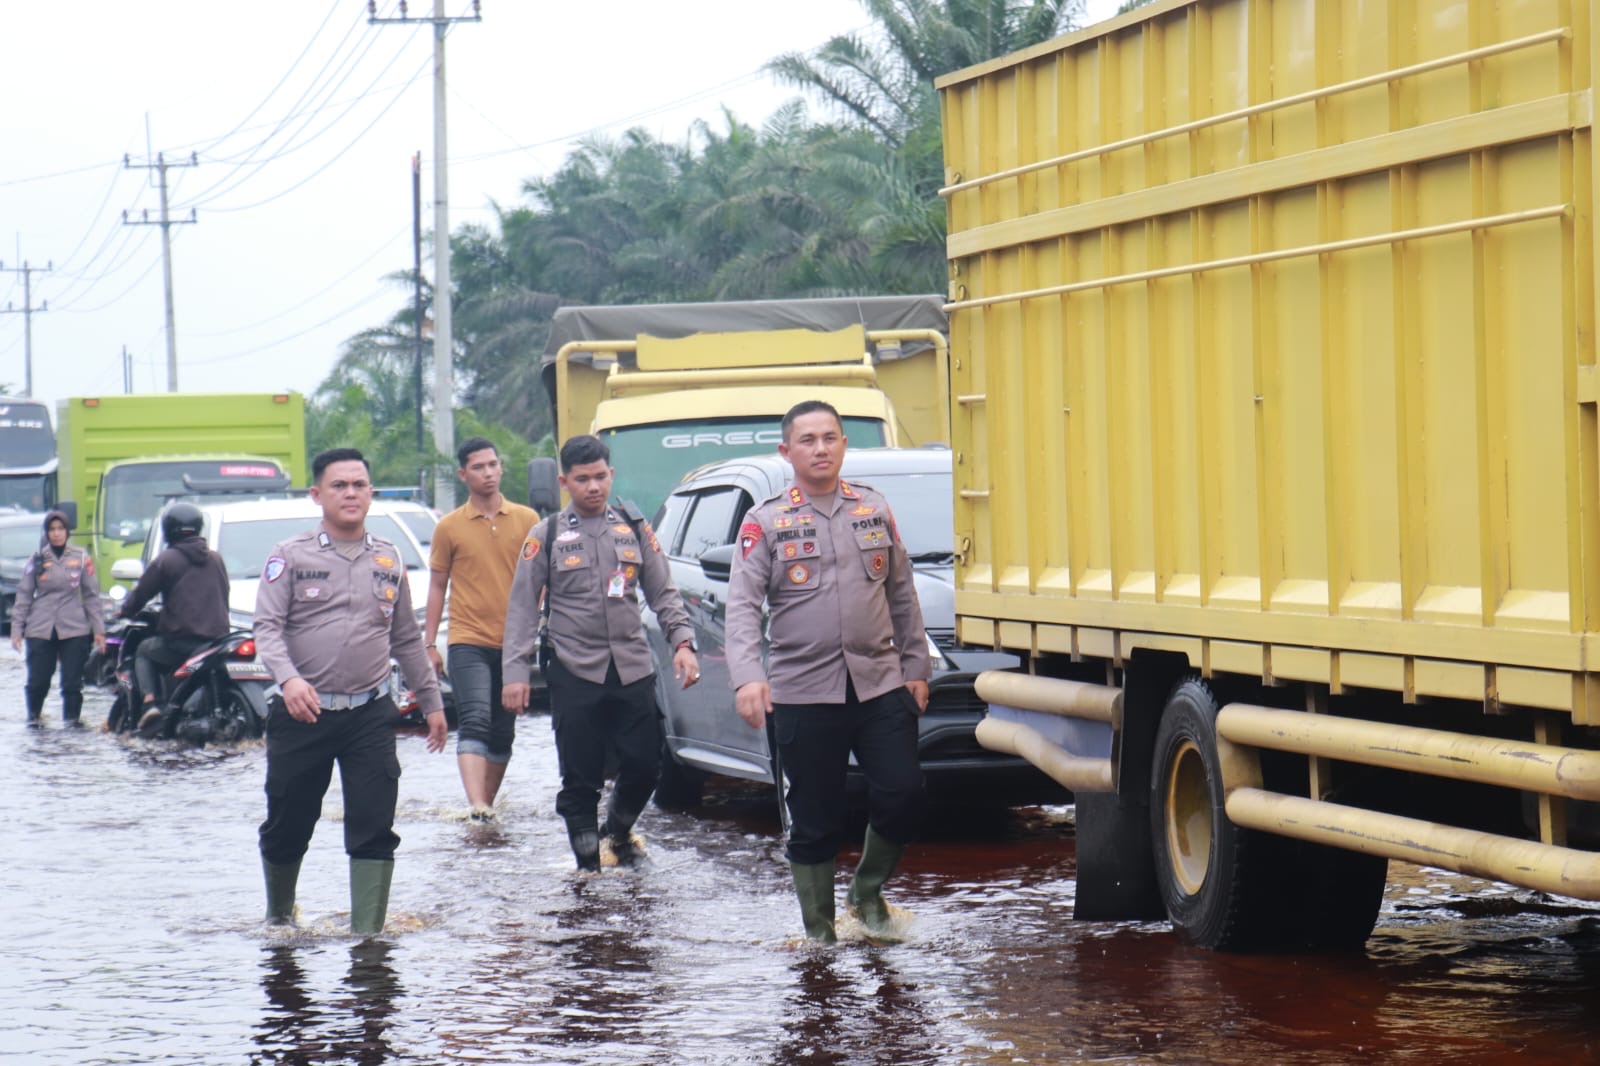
(851, 1005)
(299, 1028)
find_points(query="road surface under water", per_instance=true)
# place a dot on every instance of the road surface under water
(130, 934)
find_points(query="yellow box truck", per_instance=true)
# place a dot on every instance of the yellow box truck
(670, 387)
(1276, 448)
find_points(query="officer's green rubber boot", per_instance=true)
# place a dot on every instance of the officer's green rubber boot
(813, 883)
(369, 894)
(281, 880)
(879, 857)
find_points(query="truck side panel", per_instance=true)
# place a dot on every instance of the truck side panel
(1286, 361)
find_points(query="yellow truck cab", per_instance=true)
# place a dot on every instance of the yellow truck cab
(670, 387)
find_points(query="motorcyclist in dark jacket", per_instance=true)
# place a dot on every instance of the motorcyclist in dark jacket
(192, 581)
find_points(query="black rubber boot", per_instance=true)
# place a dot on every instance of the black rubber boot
(71, 707)
(369, 894)
(585, 843)
(35, 704)
(813, 883)
(281, 881)
(879, 857)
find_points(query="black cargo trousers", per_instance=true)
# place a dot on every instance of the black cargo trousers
(590, 722)
(300, 759)
(815, 741)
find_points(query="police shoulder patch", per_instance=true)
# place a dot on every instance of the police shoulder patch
(530, 547)
(275, 567)
(749, 537)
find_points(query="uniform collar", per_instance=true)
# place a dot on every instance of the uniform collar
(325, 542)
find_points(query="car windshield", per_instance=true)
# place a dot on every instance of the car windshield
(649, 460)
(245, 545)
(420, 523)
(135, 492)
(17, 542)
(922, 510)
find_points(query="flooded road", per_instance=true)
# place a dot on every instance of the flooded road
(131, 896)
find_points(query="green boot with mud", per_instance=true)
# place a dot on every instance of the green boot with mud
(879, 857)
(813, 883)
(369, 894)
(281, 881)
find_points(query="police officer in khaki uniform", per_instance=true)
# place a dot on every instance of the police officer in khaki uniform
(332, 608)
(57, 610)
(848, 664)
(594, 557)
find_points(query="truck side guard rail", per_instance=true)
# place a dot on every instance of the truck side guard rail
(1380, 78)
(1571, 773)
(1071, 699)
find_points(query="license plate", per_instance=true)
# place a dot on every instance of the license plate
(249, 672)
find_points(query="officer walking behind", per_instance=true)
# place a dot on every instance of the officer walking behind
(331, 610)
(58, 610)
(192, 581)
(848, 664)
(474, 559)
(590, 561)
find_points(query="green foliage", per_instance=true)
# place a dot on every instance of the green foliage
(796, 208)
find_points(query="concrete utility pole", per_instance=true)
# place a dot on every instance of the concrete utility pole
(444, 429)
(166, 224)
(26, 311)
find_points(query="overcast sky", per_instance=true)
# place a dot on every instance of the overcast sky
(304, 118)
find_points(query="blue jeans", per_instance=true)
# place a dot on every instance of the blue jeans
(483, 726)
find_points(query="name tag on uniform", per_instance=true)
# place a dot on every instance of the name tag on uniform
(617, 586)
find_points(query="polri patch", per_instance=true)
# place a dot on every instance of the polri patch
(530, 547)
(799, 574)
(275, 567)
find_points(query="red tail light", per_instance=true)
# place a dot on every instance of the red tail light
(246, 650)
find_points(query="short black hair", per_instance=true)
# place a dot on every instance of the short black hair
(584, 449)
(337, 455)
(807, 407)
(474, 444)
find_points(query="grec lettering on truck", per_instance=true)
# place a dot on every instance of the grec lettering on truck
(736, 438)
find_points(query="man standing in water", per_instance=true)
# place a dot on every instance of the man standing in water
(474, 558)
(848, 664)
(590, 562)
(332, 608)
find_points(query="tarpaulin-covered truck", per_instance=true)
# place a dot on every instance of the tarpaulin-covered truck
(1276, 450)
(670, 387)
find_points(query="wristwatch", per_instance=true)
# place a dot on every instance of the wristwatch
(690, 644)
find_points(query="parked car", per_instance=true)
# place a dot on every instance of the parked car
(20, 536)
(244, 532)
(702, 733)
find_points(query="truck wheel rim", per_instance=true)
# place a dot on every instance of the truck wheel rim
(1188, 818)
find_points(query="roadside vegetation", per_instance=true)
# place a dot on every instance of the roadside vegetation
(834, 194)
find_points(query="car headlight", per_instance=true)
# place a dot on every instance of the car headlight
(936, 657)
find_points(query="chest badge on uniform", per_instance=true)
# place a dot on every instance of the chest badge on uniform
(749, 537)
(275, 567)
(314, 592)
(805, 519)
(384, 561)
(799, 574)
(783, 521)
(863, 509)
(795, 496)
(567, 536)
(877, 562)
(622, 528)
(809, 547)
(572, 559)
(629, 553)
(790, 551)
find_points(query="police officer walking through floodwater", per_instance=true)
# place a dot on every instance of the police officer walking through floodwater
(57, 610)
(848, 665)
(590, 561)
(333, 606)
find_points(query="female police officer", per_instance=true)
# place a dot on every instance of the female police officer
(57, 610)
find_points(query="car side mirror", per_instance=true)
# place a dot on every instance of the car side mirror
(127, 570)
(718, 562)
(70, 509)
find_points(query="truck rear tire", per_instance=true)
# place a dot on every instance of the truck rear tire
(1218, 881)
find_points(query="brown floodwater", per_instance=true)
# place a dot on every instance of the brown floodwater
(131, 896)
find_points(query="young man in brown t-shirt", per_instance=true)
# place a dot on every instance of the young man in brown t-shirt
(474, 558)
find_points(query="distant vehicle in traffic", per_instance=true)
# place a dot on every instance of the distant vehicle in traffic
(28, 461)
(703, 734)
(20, 533)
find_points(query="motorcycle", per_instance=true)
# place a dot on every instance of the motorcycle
(216, 696)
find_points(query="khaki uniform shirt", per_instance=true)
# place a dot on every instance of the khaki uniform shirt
(58, 597)
(479, 555)
(839, 584)
(335, 621)
(581, 559)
